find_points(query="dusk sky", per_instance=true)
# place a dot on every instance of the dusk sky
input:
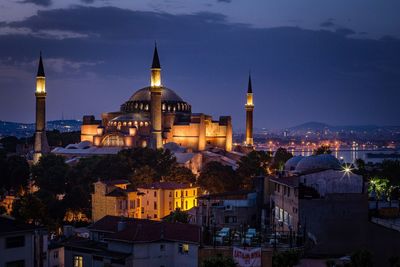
(336, 62)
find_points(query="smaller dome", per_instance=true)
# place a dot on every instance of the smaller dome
(291, 164)
(317, 163)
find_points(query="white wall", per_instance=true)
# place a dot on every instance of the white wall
(20, 253)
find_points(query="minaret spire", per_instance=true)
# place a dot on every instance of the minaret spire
(249, 114)
(41, 145)
(156, 60)
(40, 72)
(249, 87)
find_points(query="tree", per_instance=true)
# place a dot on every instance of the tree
(29, 209)
(218, 178)
(17, 172)
(14, 172)
(143, 175)
(9, 143)
(361, 258)
(322, 150)
(159, 160)
(219, 261)
(253, 164)
(379, 186)
(3, 210)
(50, 173)
(391, 170)
(394, 261)
(280, 158)
(180, 174)
(287, 258)
(178, 216)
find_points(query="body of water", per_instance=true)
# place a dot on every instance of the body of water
(347, 155)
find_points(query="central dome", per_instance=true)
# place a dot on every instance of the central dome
(140, 102)
(167, 95)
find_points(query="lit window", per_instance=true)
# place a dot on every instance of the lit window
(78, 261)
(183, 248)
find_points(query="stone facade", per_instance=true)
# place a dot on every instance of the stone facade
(154, 201)
(154, 116)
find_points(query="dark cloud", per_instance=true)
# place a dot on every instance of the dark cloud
(389, 38)
(327, 24)
(38, 2)
(345, 31)
(224, 1)
(88, 1)
(105, 56)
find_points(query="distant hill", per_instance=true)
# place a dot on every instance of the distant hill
(313, 126)
(27, 129)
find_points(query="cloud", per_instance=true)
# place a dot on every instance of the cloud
(204, 58)
(44, 3)
(345, 31)
(328, 23)
(46, 34)
(224, 1)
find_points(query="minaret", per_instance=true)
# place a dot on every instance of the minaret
(41, 146)
(155, 105)
(249, 114)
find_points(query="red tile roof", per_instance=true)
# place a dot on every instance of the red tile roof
(142, 230)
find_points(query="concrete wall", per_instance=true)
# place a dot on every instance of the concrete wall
(207, 252)
(338, 222)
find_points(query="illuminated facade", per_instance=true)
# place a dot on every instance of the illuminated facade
(41, 146)
(153, 201)
(154, 116)
(249, 114)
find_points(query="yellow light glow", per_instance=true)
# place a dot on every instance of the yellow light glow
(40, 85)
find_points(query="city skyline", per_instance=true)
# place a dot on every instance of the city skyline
(347, 71)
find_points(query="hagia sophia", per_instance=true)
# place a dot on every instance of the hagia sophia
(153, 116)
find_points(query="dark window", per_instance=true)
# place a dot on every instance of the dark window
(55, 254)
(155, 193)
(15, 241)
(20, 263)
(155, 205)
(155, 216)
